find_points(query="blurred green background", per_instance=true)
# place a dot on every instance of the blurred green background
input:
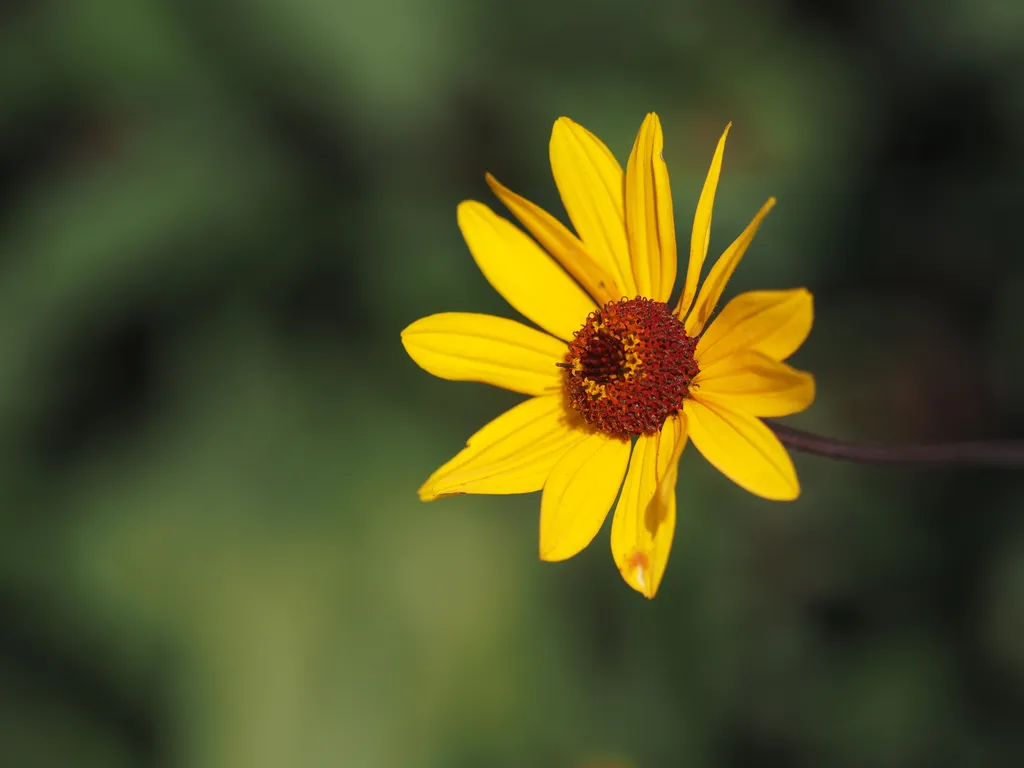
(215, 218)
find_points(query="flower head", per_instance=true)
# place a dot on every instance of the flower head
(619, 379)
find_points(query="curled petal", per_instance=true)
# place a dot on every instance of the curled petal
(701, 235)
(562, 244)
(711, 290)
(645, 516)
(649, 218)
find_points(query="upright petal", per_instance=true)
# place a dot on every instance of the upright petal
(590, 181)
(774, 323)
(701, 235)
(743, 449)
(526, 276)
(578, 494)
(514, 453)
(462, 346)
(562, 244)
(753, 383)
(712, 289)
(649, 219)
(645, 517)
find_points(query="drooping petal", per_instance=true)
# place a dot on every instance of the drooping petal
(774, 323)
(754, 383)
(514, 453)
(526, 276)
(578, 494)
(645, 517)
(701, 234)
(590, 182)
(562, 244)
(713, 286)
(743, 449)
(463, 346)
(649, 218)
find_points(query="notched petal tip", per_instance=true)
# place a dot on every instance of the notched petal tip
(426, 493)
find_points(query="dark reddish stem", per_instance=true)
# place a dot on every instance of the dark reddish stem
(1009, 453)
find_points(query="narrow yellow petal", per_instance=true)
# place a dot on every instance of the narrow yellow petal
(514, 453)
(753, 383)
(701, 235)
(578, 494)
(526, 276)
(645, 517)
(774, 323)
(562, 244)
(462, 346)
(590, 181)
(712, 289)
(743, 449)
(649, 218)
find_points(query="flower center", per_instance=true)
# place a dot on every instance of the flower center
(629, 367)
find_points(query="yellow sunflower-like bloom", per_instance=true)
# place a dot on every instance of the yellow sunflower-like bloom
(618, 379)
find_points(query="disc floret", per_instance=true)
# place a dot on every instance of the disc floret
(629, 367)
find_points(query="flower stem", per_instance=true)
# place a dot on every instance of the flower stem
(1008, 453)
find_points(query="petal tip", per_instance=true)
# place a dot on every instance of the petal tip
(563, 122)
(426, 492)
(407, 331)
(790, 493)
(549, 553)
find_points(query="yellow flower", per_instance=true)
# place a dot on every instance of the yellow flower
(618, 380)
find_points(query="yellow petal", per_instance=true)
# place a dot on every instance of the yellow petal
(712, 289)
(512, 454)
(743, 449)
(590, 181)
(578, 494)
(462, 346)
(562, 244)
(649, 220)
(526, 276)
(701, 235)
(754, 383)
(774, 323)
(645, 517)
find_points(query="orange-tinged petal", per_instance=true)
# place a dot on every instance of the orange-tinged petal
(649, 219)
(463, 346)
(578, 494)
(527, 277)
(645, 517)
(756, 384)
(562, 244)
(774, 323)
(742, 448)
(712, 289)
(701, 234)
(590, 182)
(514, 453)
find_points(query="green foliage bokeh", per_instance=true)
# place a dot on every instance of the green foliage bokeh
(218, 217)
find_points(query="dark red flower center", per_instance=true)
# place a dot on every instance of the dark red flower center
(629, 367)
